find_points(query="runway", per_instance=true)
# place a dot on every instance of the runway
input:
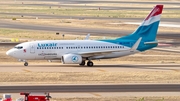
(109, 1)
(58, 67)
(46, 16)
(93, 31)
(88, 88)
(92, 88)
(101, 7)
(4, 24)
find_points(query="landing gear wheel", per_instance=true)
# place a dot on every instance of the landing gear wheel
(25, 64)
(90, 63)
(82, 63)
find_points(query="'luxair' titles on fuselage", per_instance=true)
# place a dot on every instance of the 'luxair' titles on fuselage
(47, 44)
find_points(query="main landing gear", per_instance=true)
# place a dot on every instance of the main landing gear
(82, 63)
(26, 64)
(89, 63)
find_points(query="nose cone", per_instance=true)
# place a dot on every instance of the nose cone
(9, 52)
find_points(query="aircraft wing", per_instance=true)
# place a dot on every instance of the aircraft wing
(95, 53)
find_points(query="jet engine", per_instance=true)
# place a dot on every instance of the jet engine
(71, 59)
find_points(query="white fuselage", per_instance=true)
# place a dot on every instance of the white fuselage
(55, 49)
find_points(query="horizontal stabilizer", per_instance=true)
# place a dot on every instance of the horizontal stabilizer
(135, 46)
(152, 42)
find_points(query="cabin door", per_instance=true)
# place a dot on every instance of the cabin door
(32, 48)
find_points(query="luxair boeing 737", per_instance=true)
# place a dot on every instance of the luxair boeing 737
(80, 51)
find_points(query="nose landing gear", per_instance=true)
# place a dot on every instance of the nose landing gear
(25, 62)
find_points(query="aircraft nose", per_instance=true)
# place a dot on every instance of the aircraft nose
(9, 52)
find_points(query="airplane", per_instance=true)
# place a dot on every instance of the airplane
(80, 51)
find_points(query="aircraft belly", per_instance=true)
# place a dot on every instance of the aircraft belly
(114, 55)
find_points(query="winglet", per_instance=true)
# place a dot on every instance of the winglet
(135, 46)
(87, 37)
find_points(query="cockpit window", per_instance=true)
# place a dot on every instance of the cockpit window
(18, 47)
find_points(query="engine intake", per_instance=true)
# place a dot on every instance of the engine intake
(71, 59)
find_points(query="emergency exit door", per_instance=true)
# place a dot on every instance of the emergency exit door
(32, 49)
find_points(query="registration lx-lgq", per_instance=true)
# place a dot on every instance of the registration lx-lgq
(80, 51)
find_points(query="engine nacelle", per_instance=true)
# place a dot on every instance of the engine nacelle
(71, 59)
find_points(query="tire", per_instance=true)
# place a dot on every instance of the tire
(25, 64)
(90, 64)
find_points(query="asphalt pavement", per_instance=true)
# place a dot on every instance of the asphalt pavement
(54, 16)
(92, 88)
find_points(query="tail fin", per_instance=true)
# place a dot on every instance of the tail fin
(148, 28)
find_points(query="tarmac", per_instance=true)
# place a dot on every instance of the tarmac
(58, 67)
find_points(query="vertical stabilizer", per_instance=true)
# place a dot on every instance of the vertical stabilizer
(149, 27)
